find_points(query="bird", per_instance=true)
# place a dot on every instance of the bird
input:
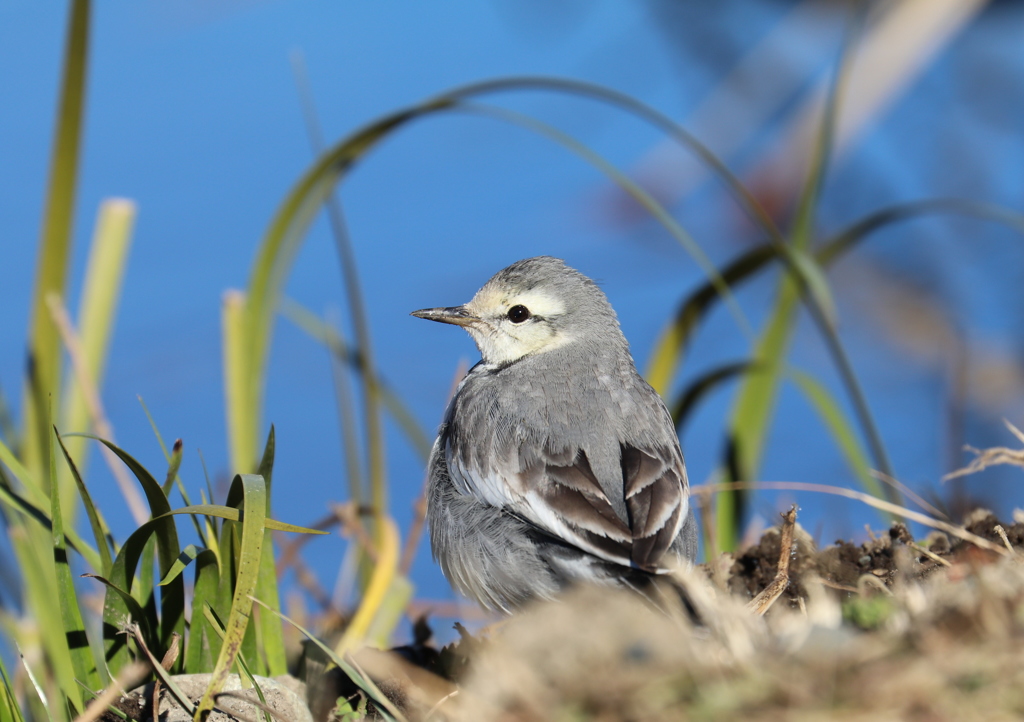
(556, 463)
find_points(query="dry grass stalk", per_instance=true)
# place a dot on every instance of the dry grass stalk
(1002, 535)
(928, 553)
(100, 423)
(130, 676)
(985, 458)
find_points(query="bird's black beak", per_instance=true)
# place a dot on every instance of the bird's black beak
(457, 315)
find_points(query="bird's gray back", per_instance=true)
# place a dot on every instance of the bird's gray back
(554, 405)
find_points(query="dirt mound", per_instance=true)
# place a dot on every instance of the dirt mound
(889, 629)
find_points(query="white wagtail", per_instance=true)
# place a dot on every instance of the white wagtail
(556, 462)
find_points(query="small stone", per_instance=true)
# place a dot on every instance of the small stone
(285, 702)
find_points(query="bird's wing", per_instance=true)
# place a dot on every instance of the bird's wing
(657, 500)
(561, 495)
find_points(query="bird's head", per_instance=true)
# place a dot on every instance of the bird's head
(533, 306)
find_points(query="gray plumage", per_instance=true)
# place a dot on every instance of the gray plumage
(556, 462)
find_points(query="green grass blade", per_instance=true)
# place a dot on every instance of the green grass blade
(177, 449)
(242, 407)
(119, 606)
(33, 490)
(198, 646)
(233, 514)
(269, 632)
(55, 242)
(283, 237)
(34, 552)
(372, 422)
(839, 429)
(168, 682)
(37, 506)
(254, 490)
(218, 629)
(187, 556)
(849, 379)
(172, 597)
(9, 707)
(155, 428)
(752, 410)
(833, 248)
(131, 611)
(14, 501)
(172, 468)
(280, 244)
(757, 214)
(749, 425)
(144, 588)
(803, 224)
(76, 643)
(213, 531)
(40, 693)
(266, 465)
(108, 255)
(379, 591)
(703, 385)
(232, 550)
(641, 196)
(391, 611)
(743, 197)
(816, 285)
(385, 706)
(755, 403)
(100, 530)
(285, 232)
(8, 430)
(341, 376)
(671, 346)
(306, 320)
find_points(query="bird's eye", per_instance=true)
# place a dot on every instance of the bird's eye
(518, 314)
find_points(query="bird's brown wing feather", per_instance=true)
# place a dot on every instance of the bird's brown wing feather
(566, 501)
(656, 499)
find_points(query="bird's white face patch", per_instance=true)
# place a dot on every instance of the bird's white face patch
(500, 339)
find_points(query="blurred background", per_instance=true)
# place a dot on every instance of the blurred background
(194, 112)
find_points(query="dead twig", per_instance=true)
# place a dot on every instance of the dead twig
(412, 541)
(763, 601)
(290, 549)
(171, 655)
(351, 525)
